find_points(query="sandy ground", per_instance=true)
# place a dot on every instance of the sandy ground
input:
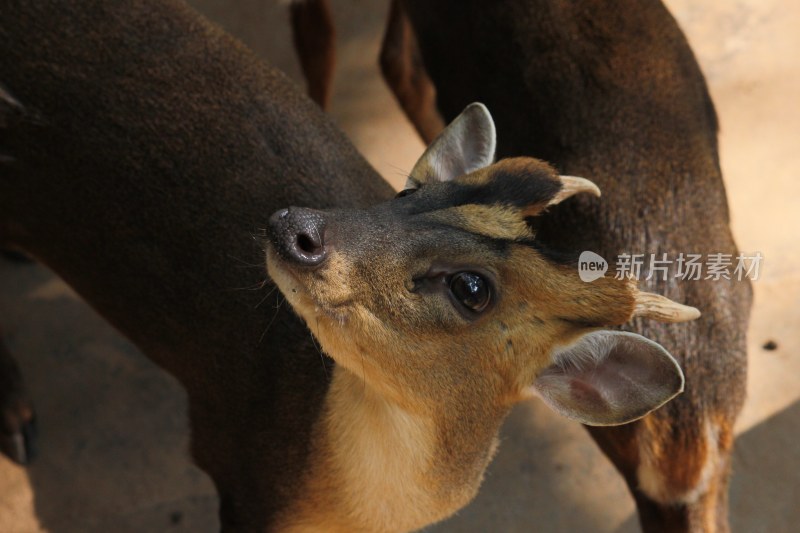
(113, 430)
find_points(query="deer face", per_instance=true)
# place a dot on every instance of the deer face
(441, 296)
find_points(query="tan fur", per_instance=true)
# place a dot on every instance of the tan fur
(691, 472)
(419, 393)
(493, 221)
(377, 449)
(695, 476)
(376, 465)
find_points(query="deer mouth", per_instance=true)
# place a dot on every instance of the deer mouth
(288, 282)
(301, 295)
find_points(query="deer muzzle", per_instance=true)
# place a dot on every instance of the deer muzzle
(298, 236)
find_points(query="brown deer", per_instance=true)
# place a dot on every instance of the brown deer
(614, 93)
(138, 142)
(442, 310)
(140, 149)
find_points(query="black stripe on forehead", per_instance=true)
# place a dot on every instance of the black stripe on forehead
(520, 187)
(559, 257)
(459, 238)
(463, 240)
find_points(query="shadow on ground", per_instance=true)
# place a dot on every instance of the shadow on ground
(113, 433)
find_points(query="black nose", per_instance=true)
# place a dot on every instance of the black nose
(298, 235)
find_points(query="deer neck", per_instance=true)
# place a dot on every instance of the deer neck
(379, 467)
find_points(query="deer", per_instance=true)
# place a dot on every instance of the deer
(138, 141)
(442, 311)
(617, 95)
(614, 94)
(142, 151)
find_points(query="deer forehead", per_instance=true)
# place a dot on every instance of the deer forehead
(479, 223)
(472, 220)
(523, 183)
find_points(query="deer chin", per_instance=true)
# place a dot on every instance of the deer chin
(312, 307)
(336, 323)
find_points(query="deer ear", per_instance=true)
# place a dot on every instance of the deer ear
(467, 144)
(608, 378)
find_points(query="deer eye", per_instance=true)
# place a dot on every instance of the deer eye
(405, 192)
(471, 290)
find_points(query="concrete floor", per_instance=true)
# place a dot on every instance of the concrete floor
(113, 430)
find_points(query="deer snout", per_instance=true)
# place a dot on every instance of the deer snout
(298, 235)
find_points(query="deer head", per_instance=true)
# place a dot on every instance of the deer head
(441, 295)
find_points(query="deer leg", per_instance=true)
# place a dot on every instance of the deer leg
(314, 39)
(17, 420)
(676, 469)
(404, 72)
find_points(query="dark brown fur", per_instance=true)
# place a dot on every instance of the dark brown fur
(151, 147)
(315, 41)
(612, 92)
(401, 66)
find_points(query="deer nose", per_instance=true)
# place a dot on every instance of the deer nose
(298, 235)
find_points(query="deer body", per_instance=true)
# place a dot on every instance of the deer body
(613, 93)
(140, 150)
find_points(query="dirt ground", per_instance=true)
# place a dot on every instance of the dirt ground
(113, 431)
